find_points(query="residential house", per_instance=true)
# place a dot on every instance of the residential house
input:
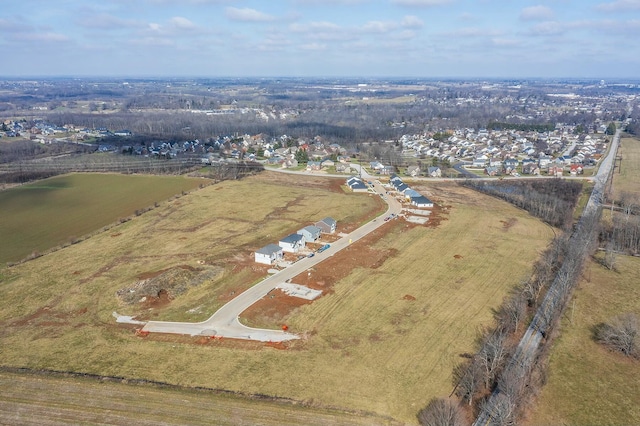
(343, 168)
(413, 171)
(480, 161)
(356, 184)
(576, 169)
(422, 202)
(544, 161)
(555, 170)
(327, 225)
(314, 165)
(510, 165)
(491, 171)
(434, 171)
(327, 163)
(530, 168)
(269, 254)
(387, 170)
(310, 233)
(292, 243)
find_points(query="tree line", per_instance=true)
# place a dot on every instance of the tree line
(499, 365)
(552, 200)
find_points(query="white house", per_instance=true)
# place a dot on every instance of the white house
(310, 233)
(292, 243)
(422, 201)
(268, 254)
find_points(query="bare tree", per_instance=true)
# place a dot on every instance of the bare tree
(512, 311)
(621, 334)
(441, 412)
(610, 256)
(492, 354)
(467, 378)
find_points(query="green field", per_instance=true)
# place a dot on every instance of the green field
(44, 214)
(587, 384)
(384, 340)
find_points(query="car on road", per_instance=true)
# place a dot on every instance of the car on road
(323, 248)
(311, 254)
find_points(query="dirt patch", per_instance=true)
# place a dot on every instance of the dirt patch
(508, 224)
(117, 234)
(272, 310)
(457, 256)
(48, 316)
(320, 182)
(408, 297)
(158, 288)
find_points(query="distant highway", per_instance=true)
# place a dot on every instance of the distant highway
(225, 322)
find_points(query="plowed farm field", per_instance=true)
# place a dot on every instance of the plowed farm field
(398, 310)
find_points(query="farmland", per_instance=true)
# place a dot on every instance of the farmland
(588, 384)
(383, 339)
(45, 400)
(44, 214)
(627, 177)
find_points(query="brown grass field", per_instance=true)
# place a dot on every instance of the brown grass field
(588, 384)
(383, 339)
(47, 400)
(627, 177)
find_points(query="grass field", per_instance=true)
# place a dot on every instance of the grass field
(587, 384)
(45, 400)
(44, 214)
(627, 178)
(384, 341)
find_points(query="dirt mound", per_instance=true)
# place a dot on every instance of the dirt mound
(167, 283)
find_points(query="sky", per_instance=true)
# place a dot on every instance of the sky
(321, 38)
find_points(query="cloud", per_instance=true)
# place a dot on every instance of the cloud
(379, 27)
(180, 23)
(421, 3)
(505, 42)
(405, 35)
(105, 21)
(314, 47)
(12, 26)
(332, 2)
(411, 21)
(48, 37)
(548, 28)
(619, 6)
(473, 32)
(247, 15)
(536, 13)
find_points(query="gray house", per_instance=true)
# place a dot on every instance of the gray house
(310, 233)
(327, 225)
(292, 243)
(268, 254)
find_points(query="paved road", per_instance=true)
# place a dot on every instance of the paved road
(225, 323)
